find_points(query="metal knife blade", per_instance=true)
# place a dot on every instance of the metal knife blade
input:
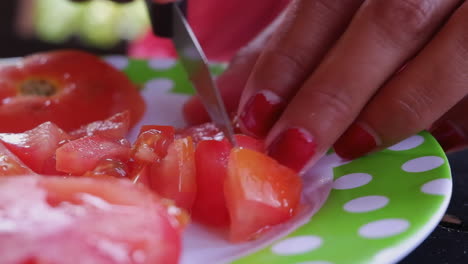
(194, 62)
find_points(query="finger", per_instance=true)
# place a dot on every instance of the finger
(381, 37)
(232, 82)
(451, 131)
(431, 84)
(308, 32)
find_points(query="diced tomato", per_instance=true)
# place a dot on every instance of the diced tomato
(69, 88)
(36, 147)
(109, 168)
(81, 155)
(174, 176)
(211, 158)
(249, 143)
(10, 165)
(169, 131)
(151, 145)
(140, 174)
(85, 220)
(259, 193)
(207, 131)
(115, 127)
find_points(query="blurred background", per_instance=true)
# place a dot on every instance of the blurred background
(102, 27)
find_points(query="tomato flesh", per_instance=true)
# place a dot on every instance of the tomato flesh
(36, 147)
(109, 168)
(10, 165)
(115, 127)
(174, 176)
(259, 193)
(84, 154)
(84, 220)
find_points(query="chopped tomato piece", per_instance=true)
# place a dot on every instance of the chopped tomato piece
(84, 154)
(85, 220)
(115, 127)
(169, 131)
(151, 145)
(140, 174)
(208, 131)
(250, 143)
(109, 168)
(69, 88)
(36, 147)
(174, 176)
(259, 193)
(211, 158)
(10, 165)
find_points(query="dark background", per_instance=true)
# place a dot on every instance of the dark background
(447, 244)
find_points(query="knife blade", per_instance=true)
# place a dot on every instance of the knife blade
(168, 20)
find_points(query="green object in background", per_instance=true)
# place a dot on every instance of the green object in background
(98, 23)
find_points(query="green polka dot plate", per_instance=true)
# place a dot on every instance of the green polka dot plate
(375, 209)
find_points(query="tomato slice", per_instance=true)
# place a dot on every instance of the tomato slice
(10, 165)
(259, 193)
(174, 176)
(36, 147)
(115, 127)
(211, 158)
(84, 220)
(69, 88)
(84, 154)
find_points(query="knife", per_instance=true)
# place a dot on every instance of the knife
(168, 21)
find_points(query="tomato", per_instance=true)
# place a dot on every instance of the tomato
(151, 145)
(84, 220)
(69, 88)
(250, 143)
(10, 165)
(259, 193)
(115, 127)
(166, 130)
(36, 147)
(174, 176)
(84, 154)
(211, 158)
(207, 131)
(109, 168)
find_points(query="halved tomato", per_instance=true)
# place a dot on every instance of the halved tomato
(115, 127)
(174, 176)
(84, 220)
(260, 193)
(36, 147)
(69, 88)
(84, 154)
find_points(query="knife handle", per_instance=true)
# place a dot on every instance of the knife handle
(161, 16)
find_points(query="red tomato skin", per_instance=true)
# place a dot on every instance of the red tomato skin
(115, 127)
(88, 89)
(36, 147)
(250, 143)
(10, 165)
(87, 220)
(84, 154)
(211, 158)
(259, 192)
(169, 131)
(174, 177)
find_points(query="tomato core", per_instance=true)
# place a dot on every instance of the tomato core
(39, 87)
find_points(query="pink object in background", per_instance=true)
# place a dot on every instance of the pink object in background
(221, 26)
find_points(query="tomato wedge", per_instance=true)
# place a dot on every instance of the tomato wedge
(84, 154)
(115, 127)
(36, 147)
(84, 220)
(259, 193)
(174, 176)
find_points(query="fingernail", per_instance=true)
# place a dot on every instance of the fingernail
(355, 142)
(261, 112)
(293, 148)
(448, 136)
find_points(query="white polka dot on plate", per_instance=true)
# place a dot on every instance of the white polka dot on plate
(409, 143)
(161, 64)
(162, 84)
(437, 187)
(118, 62)
(351, 181)
(296, 245)
(366, 204)
(315, 262)
(384, 228)
(423, 164)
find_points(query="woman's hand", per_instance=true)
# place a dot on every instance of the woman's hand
(357, 75)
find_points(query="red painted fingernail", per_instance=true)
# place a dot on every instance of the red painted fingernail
(449, 136)
(293, 148)
(355, 142)
(261, 112)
